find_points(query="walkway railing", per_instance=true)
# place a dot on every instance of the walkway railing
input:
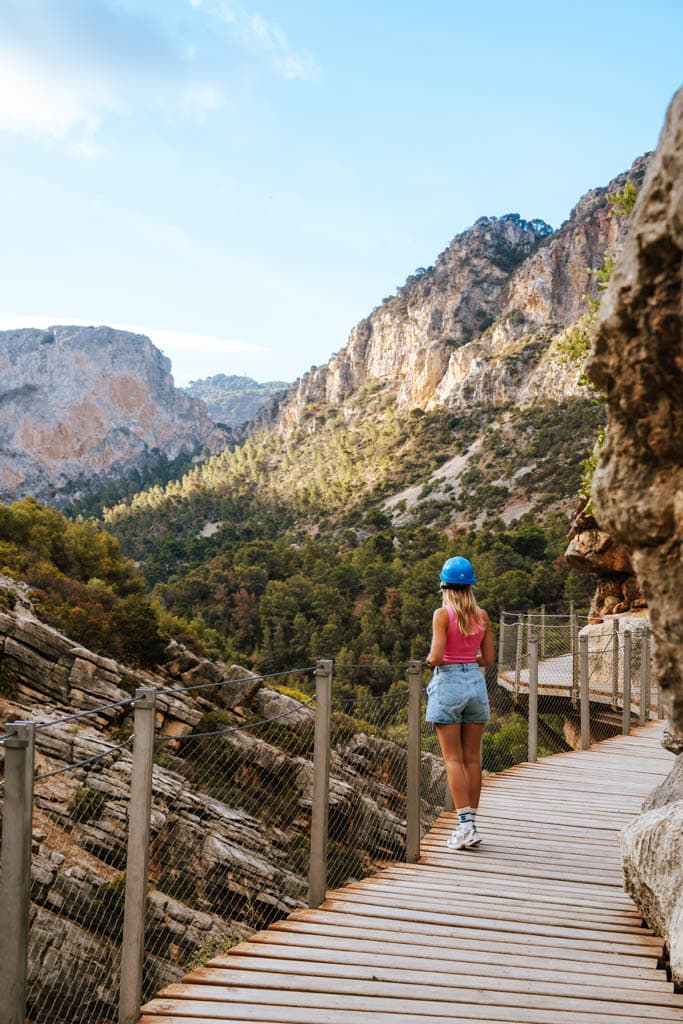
(144, 856)
(151, 851)
(596, 678)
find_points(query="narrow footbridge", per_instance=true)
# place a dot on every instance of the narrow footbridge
(533, 926)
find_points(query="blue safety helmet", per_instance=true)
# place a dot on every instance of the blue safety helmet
(457, 571)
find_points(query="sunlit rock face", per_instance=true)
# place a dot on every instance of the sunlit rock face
(477, 327)
(638, 363)
(592, 550)
(79, 404)
(638, 492)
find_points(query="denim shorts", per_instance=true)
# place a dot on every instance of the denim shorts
(457, 693)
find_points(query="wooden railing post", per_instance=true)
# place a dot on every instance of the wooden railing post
(317, 887)
(626, 715)
(15, 884)
(584, 698)
(413, 767)
(137, 861)
(533, 698)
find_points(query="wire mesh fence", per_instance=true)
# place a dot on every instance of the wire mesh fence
(77, 871)
(617, 661)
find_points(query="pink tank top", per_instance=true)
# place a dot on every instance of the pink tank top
(461, 649)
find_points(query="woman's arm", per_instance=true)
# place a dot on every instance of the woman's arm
(439, 631)
(487, 656)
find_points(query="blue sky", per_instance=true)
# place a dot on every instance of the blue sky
(244, 181)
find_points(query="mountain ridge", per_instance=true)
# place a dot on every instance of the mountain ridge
(81, 405)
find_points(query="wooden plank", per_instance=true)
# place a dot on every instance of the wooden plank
(464, 938)
(251, 1013)
(307, 947)
(404, 976)
(578, 857)
(352, 997)
(500, 863)
(494, 902)
(492, 929)
(569, 901)
(404, 909)
(399, 894)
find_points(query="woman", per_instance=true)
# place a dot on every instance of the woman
(458, 703)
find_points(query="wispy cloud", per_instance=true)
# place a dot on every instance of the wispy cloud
(262, 38)
(67, 69)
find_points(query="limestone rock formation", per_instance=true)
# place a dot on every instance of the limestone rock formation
(652, 851)
(440, 337)
(86, 404)
(638, 488)
(477, 342)
(593, 551)
(638, 363)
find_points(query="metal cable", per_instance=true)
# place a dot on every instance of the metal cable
(86, 714)
(231, 682)
(87, 760)
(238, 728)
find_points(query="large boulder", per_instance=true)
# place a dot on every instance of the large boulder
(638, 362)
(638, 489)
(652, 851)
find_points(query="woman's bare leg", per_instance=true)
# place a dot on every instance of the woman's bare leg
(453, 759)
(470, 740)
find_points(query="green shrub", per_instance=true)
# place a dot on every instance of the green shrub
(87, 805)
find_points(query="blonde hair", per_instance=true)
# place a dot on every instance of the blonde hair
(463, 602)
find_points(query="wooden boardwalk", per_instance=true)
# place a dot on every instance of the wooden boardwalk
(533, 926)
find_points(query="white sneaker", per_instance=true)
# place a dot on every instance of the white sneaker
(464, 836)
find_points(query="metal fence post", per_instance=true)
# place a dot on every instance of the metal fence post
(137, 859)
(518, 655)
(501, 641)
(413, 769)
(626, 716)
(15, 884)
(542, 644)
(644, 709)
(585, 705)
(574, 650)
(615, 663)
(533, 698)
(317, 886)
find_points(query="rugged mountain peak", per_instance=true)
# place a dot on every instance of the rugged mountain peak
(498, 286)
(87, 403)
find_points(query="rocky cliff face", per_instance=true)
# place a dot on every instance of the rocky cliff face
(638, 488)
(593, 551)
(444, 337)
(86, 404)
